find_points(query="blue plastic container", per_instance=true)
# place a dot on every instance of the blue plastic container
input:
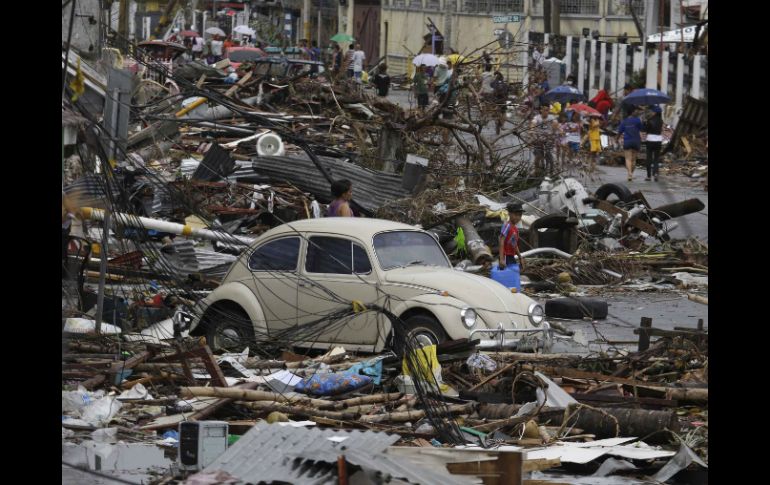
(508, 277)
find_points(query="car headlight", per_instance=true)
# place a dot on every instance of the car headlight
(468, 317)
(536, 314)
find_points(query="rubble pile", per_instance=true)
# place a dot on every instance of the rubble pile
(543, 402)
(209, 163)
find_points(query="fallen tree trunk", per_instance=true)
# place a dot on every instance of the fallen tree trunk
(479, 251)
(630, 422)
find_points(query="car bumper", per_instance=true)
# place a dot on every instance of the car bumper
(513, 338)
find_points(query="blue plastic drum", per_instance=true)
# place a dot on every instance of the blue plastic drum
(509, 277)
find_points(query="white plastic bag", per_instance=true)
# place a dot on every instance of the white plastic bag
(100, 412)
(136, 392)
(73, 402)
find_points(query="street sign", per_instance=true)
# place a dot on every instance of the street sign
(504, 19)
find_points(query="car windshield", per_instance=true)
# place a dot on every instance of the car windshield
(406, 248)
(244, 56)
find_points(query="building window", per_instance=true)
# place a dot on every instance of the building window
(399, 3)
(507, 6)
(622, 8)
(433, 5)
(583, 7)
(472, 6)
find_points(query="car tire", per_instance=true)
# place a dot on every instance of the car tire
(424, 325)
(618, 190)
(228, 328)
(576, 308)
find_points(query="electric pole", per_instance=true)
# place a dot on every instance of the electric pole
(546, 16)
(660, 46)
(556, 17)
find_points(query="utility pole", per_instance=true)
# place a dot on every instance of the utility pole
(556, 17)
(546, 16)
(123, 20)
(320, 8)
(660, 46)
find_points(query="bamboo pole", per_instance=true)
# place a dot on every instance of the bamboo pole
(249, 395)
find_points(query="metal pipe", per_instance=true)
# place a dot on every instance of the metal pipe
(102, 271)
(165, 226)
(555, 251)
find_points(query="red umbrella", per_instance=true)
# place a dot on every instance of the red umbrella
(189, 33)
(585, 109)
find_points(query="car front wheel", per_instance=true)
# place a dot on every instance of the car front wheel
(425, 329)
(228, 329)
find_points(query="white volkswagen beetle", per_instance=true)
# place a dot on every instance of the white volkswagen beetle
(288, 283)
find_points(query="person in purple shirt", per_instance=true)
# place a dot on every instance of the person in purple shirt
(631, 128)
(340, 206)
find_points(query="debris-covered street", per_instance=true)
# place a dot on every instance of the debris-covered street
(305, 244)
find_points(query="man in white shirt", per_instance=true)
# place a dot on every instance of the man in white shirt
(197, 47)
(545, 131)
(358, 62)
(216, 49)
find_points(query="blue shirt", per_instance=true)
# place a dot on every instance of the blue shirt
(630, 128)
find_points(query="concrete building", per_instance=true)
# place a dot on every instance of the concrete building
(467, 25)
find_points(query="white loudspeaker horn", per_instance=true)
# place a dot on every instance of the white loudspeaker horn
(270, 145)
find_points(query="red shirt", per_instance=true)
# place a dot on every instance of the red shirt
(511, 235)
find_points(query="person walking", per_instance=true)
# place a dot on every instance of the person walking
(594, 137)
(654, 128)
(358, 63)
(572, 133)
(342, 190)
(545, 129)
(630, 128)
(421, 87)
(500, 91)
(197, 47)
(348, 64)
(382, 81)
(216, 48)
(336, 60)
(509, 238)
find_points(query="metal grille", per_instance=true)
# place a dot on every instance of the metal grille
(622, 8)
(476, 6)
(399, 3)
(507, 6)
(433, 5)
(584, 7)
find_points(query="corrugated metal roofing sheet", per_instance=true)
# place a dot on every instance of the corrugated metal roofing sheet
(272, 453)
(371, 189)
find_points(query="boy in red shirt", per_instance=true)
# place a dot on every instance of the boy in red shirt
(509, 237)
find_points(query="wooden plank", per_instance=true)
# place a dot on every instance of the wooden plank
(200, 82)
(644, 336)
(117, 367)
(238, 85)
(659, 332)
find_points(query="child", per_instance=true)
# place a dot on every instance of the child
(594, 137)
(509, 237)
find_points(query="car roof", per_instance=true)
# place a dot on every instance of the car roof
(360, 227)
